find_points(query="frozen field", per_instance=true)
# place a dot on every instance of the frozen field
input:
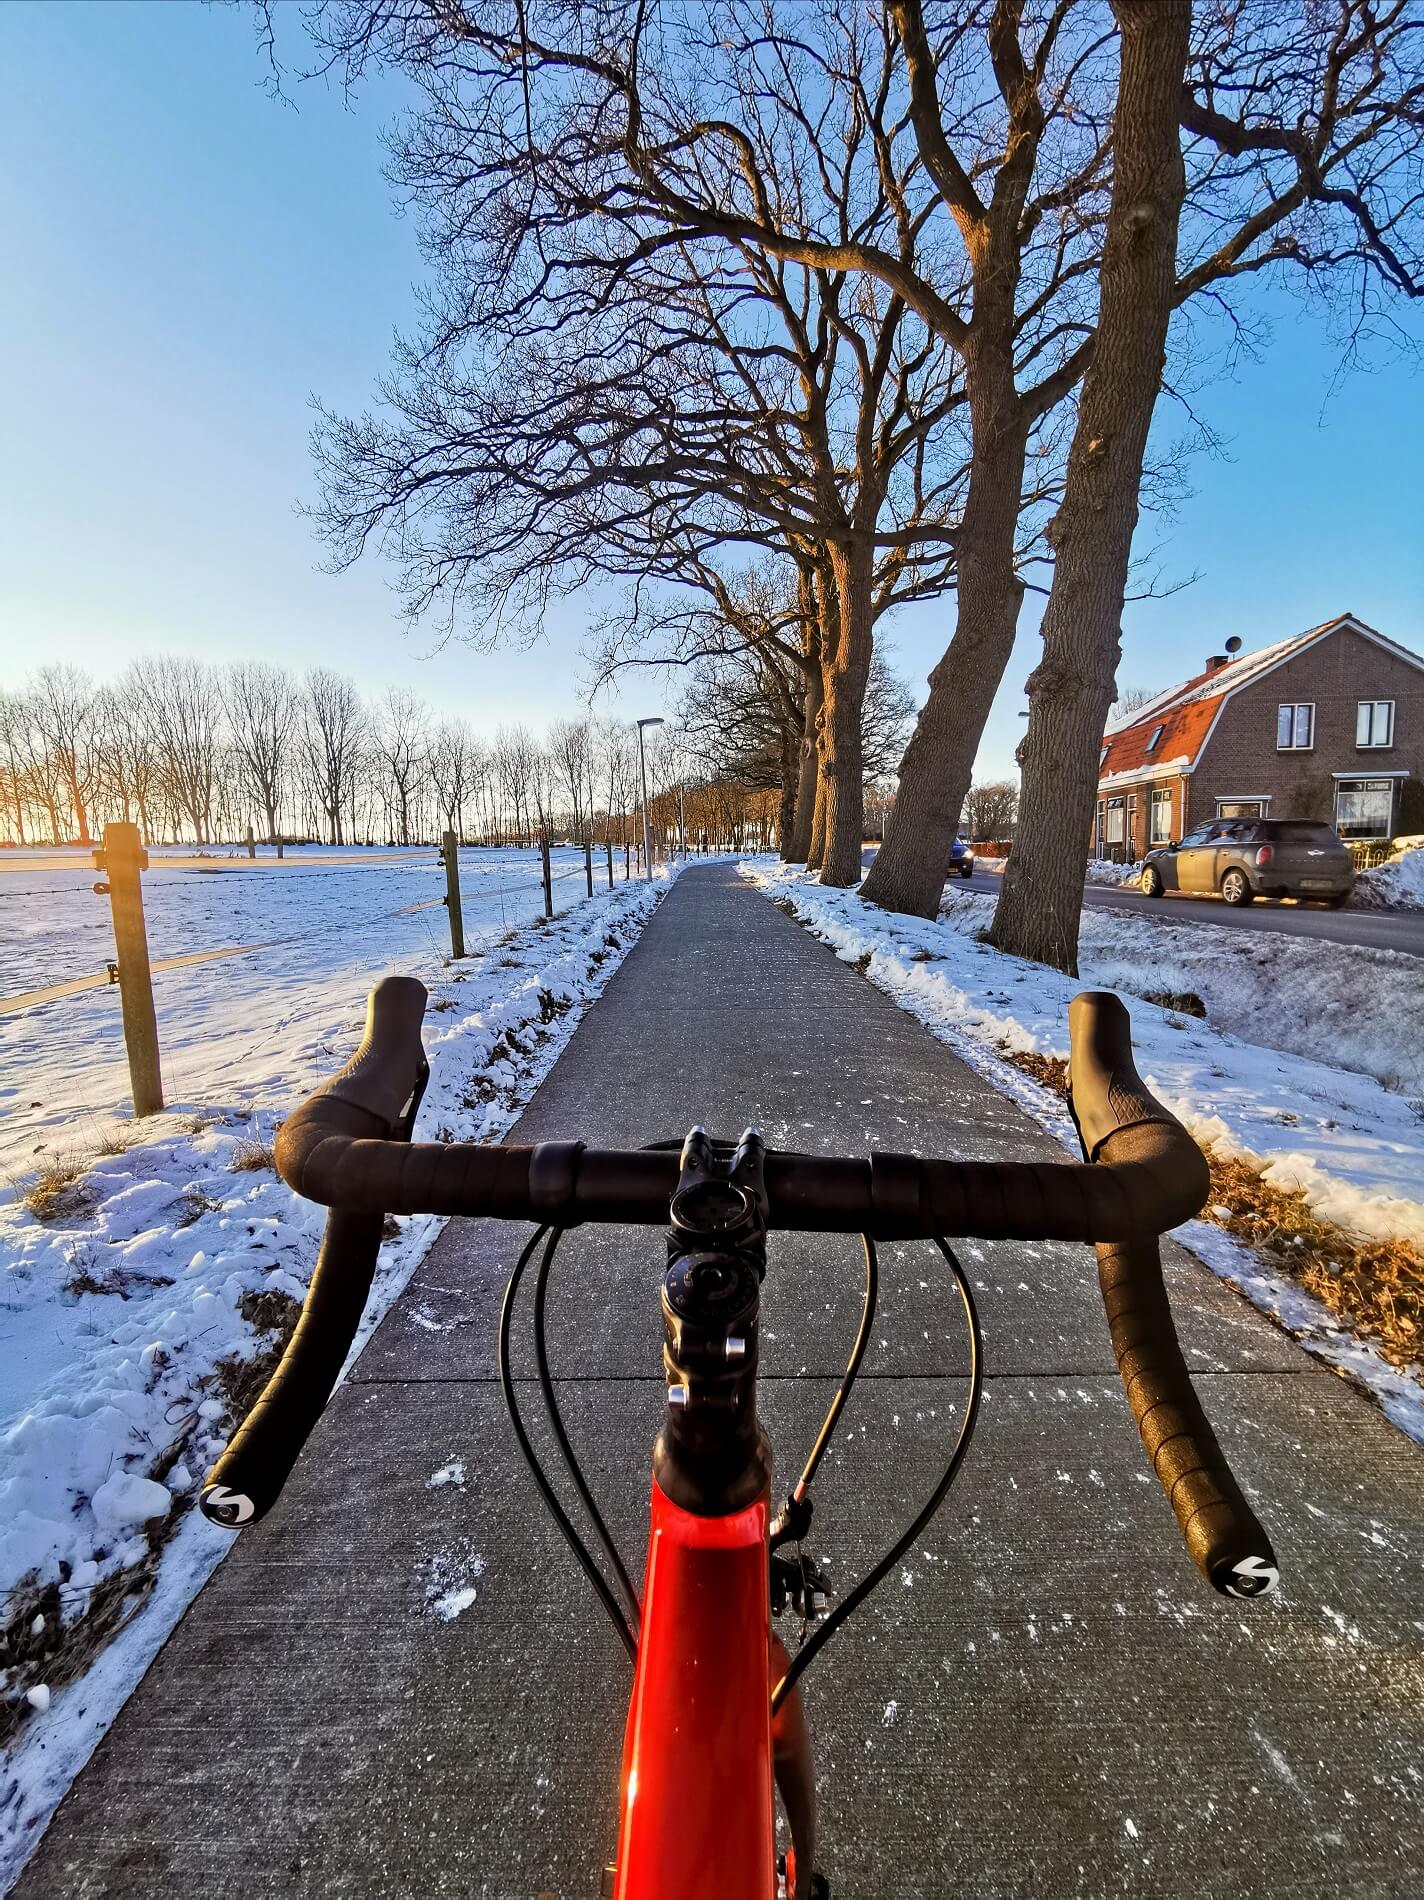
(329, 923)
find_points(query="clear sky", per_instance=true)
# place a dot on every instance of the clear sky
(185, 261)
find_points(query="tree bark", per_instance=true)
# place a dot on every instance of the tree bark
(842, 759)
(798, 849)
(1071, 689)
(909, 870)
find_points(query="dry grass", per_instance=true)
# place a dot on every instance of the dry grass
(195, 1205)
(253, 1155)
(1184, 1002)
(274, 1315)
(58, 1191)
(1376, 1286)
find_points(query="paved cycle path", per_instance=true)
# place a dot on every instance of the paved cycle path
(1046, 1698)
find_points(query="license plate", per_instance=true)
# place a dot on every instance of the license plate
(1316, 883)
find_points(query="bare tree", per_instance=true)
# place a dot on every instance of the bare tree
(262, 711)
(1129, 698)
(15, 721)
(991, 811)
(452, 761)
(65, 710)
(332, 735)
(1310, 125)
(182, 701)
(401, 735)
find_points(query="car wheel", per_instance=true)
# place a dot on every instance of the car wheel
(1236, 888)
(1150, 883)
(966, 870)
(1338, 901)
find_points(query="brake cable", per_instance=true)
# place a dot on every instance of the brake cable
(849, 1604)
(621, 1621)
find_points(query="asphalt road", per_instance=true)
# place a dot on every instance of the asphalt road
(1369, 929)
(1045, 1700)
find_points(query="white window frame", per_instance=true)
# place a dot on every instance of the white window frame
(1365, 721)
(1116, 809)
(1159, 799)
(1295, 707)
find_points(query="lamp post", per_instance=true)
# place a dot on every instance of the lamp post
(643, 781)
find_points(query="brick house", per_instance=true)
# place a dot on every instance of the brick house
(1328, 724)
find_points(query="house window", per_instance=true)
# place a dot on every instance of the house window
(1161, 808)
(1102, 758)
(1295, 727)
(1364, 807)
(1156, 739)
(1241, 807)
(1114, 821)
(1374, 723)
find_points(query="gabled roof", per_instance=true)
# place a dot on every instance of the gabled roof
(1187, 712)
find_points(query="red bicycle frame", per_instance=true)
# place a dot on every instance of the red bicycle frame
(697, 1758)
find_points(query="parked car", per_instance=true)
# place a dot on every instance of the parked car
(961, 857)
(1243, 858)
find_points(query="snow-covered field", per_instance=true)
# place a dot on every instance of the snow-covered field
(231, 1024)
(1354, 1146)
(119, 1314)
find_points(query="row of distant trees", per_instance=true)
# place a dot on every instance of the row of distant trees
(195, 752)
(785, 315)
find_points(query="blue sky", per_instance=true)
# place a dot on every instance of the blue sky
(186, 261)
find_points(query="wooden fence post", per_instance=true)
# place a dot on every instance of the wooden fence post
(548, 879)
(588, 861)
(608, 845)
(251, 843)
(449, 851)
(122, 859)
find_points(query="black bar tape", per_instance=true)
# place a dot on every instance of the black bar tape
(553, 1174)
(1222, 1532)
(244, 1483)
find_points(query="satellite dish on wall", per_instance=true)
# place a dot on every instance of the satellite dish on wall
(1233, 645)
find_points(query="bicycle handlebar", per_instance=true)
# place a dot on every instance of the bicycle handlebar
(347, 1146)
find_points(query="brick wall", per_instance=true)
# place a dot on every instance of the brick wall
(1240, 758)
(1137, 800)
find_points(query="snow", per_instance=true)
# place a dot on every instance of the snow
(241, 1023)
(125, 1500)
(1398, 885)
(1355, 1147)
(1103, 871)
(117, 1315)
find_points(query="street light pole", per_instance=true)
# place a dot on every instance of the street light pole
(643, 780)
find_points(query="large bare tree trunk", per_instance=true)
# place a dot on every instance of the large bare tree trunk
(798, 848)
(935, 774)
(1071, 689)
(842, 759)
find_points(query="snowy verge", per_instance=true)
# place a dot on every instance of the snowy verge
(1398, 885)
(1355, 1149)
(127, 1317)
(1103, 871)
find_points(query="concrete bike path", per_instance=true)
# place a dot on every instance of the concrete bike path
(1046, 1699)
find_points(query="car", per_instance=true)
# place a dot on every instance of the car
(961, 857)
(1246, 858)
